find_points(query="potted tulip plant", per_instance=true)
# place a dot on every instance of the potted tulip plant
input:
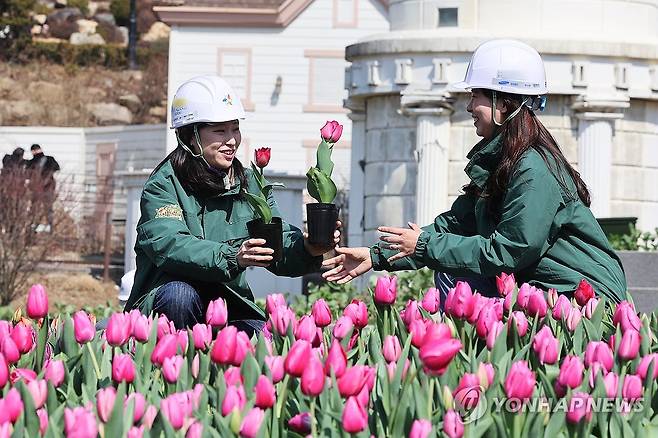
(264, 226)
(322, 216)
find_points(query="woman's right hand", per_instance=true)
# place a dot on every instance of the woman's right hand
(252, 253)
(348, 264)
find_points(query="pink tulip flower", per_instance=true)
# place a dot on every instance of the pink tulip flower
(37, 302)
(265, 393)
(83, 328)
(195, 430)
(232, 376)
(392, 348)
(486, 320)
(281, 318)
(573, 319)
(10, 350)
(505, 283)
(202, 336)
(626, 317)
(336, 360)
(468, 391)
(301, 423)
(590, 308)
(43, 421)
(545, 346)
(561, 307)
(611, 382)
(223, 350)
(39, 391)
(580, 406)
(167, 346)
(358, 313)
(217, 313)
(242, 347)
(277, 370)
(80, 423)
(520, 381)
(459, 302)
(306, 329)
(551, 297)
(632, 388)
(494, 333)
(486, 373)
(272, 301)
(233, 399)
(386, 290)
(537, 305)
(105, 399)
(420, 429)
(141, 327)
(321, 313)
(331, 131)
(21, 334)
(571, 372)
(175, 408)
(139, 405)
(417, 330)
(343, 327)
(251, 423)
(297, 357)
(520, 321)
(452, 424)
(431, 300)
(123, 368)
(355, 416)
(4, 371)
(410, 313)
(119, 329)
(312, 382)
(437, 356)
(598, 351)
(643, 368)
(353, 380)
(171, 368)
(629, 345)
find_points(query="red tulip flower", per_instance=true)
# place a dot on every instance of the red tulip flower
(584, 292)
(262, 157)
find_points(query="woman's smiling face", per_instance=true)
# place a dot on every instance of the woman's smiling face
(220, 143)
(480, 109)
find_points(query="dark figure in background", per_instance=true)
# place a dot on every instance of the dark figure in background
(14, 162)
(42, 170)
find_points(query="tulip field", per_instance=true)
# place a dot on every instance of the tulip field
(527, 363)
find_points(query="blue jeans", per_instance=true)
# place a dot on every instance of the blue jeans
(185, 306)
(486, 286)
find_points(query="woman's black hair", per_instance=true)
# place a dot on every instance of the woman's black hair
(194, 174)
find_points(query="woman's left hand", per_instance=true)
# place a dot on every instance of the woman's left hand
(403, 240)
(318, 250)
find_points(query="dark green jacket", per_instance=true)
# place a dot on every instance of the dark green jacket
(182, 237)
(546, 236)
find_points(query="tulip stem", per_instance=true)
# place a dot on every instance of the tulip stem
(282, 399)
(430, 400)
(94, 361)
(314, 431)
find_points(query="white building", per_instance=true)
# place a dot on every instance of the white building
(601, 60)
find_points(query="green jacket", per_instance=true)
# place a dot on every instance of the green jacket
(546, 236)
(182, 237)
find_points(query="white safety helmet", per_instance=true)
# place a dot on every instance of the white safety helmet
(205, 99)
(508, 66)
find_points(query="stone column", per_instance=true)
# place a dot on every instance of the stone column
(432, 156)
(596, 120)
(357, 175)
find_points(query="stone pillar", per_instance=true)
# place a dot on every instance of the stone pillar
(596, 120)
(355, 227)
(432, 155)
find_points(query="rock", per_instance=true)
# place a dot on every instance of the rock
(110, 114)
(110, 33)
(159, 112)
(87, 26)
(17, 111)
(61, 3)
(46, 91)
(40, 19)
(95, 93)
(36, 29)
(124, 34)
(62, 22)
(7, 87)
(158, 31)
(131, 101)
(105, 17)
(79, 38)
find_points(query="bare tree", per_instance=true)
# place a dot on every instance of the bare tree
(35, 221)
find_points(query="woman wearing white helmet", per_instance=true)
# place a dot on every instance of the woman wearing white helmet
(525, 210)
(192, 241)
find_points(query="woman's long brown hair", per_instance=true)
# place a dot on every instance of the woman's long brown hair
(522, 132)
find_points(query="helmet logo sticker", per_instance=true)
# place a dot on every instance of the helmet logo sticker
(228, 100)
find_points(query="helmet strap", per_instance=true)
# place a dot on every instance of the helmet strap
(182, 144)
(511, 116)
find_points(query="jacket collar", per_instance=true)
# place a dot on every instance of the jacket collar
(483, 159)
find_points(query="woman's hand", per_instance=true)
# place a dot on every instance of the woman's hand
(252, 253)
(348, 264)
(318, 250)
(403, 240)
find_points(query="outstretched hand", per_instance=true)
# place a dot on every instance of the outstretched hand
(403, 240)
(347, 265)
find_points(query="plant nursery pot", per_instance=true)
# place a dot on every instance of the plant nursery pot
(321, 222)
(272, 233)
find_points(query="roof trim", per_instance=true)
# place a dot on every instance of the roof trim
(281, 16)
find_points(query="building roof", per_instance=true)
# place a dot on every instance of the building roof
(234, 3)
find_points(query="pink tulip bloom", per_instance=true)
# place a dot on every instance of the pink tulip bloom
(459, 302)
(505, 283)
(119, 329)
(571, 372)
(21, 334)
(353, 380)
(392, 367)
(312, 382)
(468, 391)
(232, 376)
(520, 321)
(43, 421)
(386, 290)
(355, 416)
(573, 319)
(632, 388)
(431, 301)
(392, 349)
(217, 313)
(561, 307)
(283, 317)
(139, 405)
(149, 416)
(242, 347)
(37, 302)
(167, 346)
(417, 330)
(486, 374)
(590, 308)
(598, 351)
(165, 327)
(171, 368)
(486, 320)
(223, 350)
(202, 336)
(552, 297)
(343, 327)
(520, 381)
(493, 334)
(175, 408)
(39, 391)
(479, 302)
(437, 356)
(523, 296)
(301, 423)
(83, 328)
(141, 327)
(436, 333)
(306, 329)
(537, 305)
(420, 429)
(24, 374)
(629, 346)
(251, 423)
(626, 317)
(297, 357)
(277, 370)
(321, 313)
(336, 360)
(4, 371)
(611, 381)
(580, 406)
(105, 399)
(584, 292)
(358, 313)
(265, 393)
(331, 131)
(80, 423)
(410, 313)
(195, 430)
(233, 399)
(643, 368)
(545, 345)
(452, 424)
(123, 368)
(137, 432)
(273, 301)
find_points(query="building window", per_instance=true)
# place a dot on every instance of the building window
(346, 13)
(579, 74)
(622, 71)
(326, 81)
(234, 65)
(448, 17)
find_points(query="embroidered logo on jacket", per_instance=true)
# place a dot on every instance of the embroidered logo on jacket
(172, 211)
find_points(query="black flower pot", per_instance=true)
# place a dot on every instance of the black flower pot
(272, 233)
(321, 222)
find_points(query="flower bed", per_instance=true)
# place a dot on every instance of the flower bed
(530, 363)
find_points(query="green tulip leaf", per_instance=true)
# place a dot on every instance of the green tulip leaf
(320, 186)
(260, 206)
(324, 162)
